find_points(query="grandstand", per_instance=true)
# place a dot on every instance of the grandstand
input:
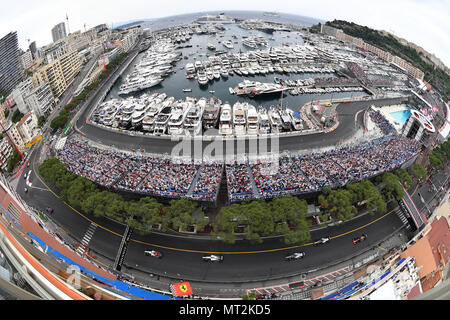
(246, 179)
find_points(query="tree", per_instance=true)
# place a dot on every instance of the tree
(404, 177)
(6, 113)
(13, 160)
(41, 121)
(17, 115)
(392, 188)
(179, 214)
(419, 172)
(59, 122)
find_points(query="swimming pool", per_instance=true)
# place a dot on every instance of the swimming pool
(401, 116)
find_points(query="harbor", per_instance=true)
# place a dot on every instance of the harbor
(239, 79)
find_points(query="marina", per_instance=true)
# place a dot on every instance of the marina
(237, 80)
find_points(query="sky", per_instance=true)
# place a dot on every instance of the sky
(423, 22)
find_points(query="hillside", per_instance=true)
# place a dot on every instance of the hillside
(438, 78)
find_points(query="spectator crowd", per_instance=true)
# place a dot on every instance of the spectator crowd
(287, 175)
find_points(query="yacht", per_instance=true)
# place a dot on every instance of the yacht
(252, 120)
(161, 120)
(202, 78)
(193, 122)
(138, 114)
(228, 44)
(211, 113)
(264, 122)
(239, 121)
(210, 46)
(127, 110)
(225, 122)
(286, 119)
(275, 120)
(177, 116)
(297, 122)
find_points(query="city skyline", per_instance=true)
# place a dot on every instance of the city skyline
(424, 24)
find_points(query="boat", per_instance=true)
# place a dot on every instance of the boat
(187, 90)
(275, 120)
(160, 126)
(239, 121)
(252, 120)
(211, 113)
(177, 116)
(228, 44)
(193, 122)
(286, 119)
(211, 47)
(297, 122)
(202, 80)
(264, 122)
(225, 122)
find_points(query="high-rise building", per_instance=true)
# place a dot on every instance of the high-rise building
(11, 68)
(59, 32)
(33, 49)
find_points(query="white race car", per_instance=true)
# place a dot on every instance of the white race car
(322, 241)
(153, 253)
(295, 256)
(213, 258)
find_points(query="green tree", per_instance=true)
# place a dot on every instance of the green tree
(13, 160)
(419, 172)
(17, 115)
(392, 188)
(41, 121)
(404, 178)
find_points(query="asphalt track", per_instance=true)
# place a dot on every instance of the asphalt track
(243, 261)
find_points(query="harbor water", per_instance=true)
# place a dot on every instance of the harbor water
(174, 84)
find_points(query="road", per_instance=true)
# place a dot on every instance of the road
(182, 256)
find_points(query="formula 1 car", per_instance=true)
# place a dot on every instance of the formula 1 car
(213, 258)
(359, 239)
(153, 253)
(294, 256)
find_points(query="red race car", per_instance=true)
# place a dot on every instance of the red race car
(359, 239)
(153, 253)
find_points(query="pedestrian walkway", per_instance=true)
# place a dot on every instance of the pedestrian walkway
(86, 239)
(403, 218)
(194, 183)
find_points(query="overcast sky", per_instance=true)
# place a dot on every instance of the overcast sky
(424, 22)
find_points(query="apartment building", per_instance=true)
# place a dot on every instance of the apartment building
(386, 56)
(30, 98)
(59, 32)
(28, 127)
(11, 68)
(60, 73)
(5, 152)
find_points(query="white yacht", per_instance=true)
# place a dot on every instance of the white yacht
(252, 120)
(193, 122)
(264, 122)
(225, 122)
(297, 122)
(154, 109)
(239, 121)
(228, 44)
(275, 120)
(177, 116)
(161, 120)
